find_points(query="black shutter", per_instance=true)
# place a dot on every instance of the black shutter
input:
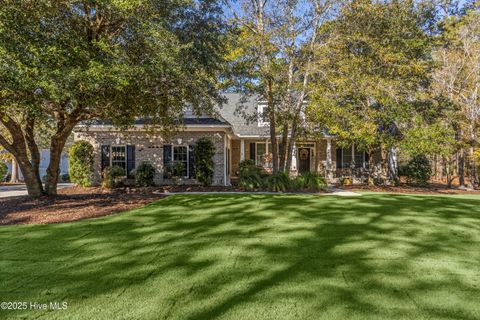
(191, 162)
(105, 156)
(339, 158)
(167, 154)
(130, 160)
(252, 151)
(167, 160)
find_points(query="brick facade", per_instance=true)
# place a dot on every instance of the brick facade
(149, 148)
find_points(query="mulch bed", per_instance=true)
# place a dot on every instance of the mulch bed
(69, 205)
(77, 203)
(435, 188)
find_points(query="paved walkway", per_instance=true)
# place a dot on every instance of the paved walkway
(17, 190)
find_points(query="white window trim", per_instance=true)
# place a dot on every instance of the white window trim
(126, 156)
(188, 157)
(260, 110)
(353, 158)
(256, 152)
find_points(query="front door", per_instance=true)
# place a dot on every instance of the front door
(303, 160)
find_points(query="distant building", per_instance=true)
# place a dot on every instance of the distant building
(44, 161)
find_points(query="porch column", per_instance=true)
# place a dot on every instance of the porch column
(225, 146)
(329, 160)
(293, 166)
(242, 150)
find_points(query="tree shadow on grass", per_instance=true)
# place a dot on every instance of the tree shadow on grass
(256, 256)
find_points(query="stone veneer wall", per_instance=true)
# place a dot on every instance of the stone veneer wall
(149, 148)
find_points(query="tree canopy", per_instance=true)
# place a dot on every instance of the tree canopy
(63, 62)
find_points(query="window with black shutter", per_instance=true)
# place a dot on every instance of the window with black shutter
(105, 156)
(191, 162)
(339, 158)
(167, 160)
(252, 151)
(130, 160)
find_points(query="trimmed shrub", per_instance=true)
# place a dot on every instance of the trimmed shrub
(111, 177)
(81, 163)
(247, 165)
(204, 152)
(251, 177)
(309, 182)
(144, 175)
(3, 171)
(279, 182)
(314, 182)
(418, 170)
(298, 183)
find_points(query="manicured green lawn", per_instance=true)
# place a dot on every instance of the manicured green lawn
(377, 256)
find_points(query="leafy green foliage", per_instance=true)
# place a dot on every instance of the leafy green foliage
(314, 182)
(112, 177)
(81, 157)
(251, 177)
(145, 175)
(373, 73)
(3, 171)
(309, 181)
(278, 182)
(175, 169)
(63, 62)
(418, 170)
(204, 166)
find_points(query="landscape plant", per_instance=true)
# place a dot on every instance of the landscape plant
(145, 175)
(204, 166)
(81, 158)
(112, 177)
(418, 170)
(64, 62)
(3, 171)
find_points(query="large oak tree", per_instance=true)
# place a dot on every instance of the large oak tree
(67, 61)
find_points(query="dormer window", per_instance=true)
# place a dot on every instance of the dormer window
(263, 120)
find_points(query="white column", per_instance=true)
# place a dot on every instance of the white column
(329, 160)
(293, 166)
(225, 146)
(242, 150)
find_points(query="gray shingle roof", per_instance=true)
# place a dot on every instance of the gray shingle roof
(241, 111)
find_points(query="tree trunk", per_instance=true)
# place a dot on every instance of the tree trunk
(447, 172)
(30, 176)
(471, 162)
(273, 128)
(57, 144)
(14, 177)
(384, 165)
(283, 150)
(53, 171)
(393, 166)
(461, 167)
(371, 167)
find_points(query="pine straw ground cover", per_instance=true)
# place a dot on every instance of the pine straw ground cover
(375, 256)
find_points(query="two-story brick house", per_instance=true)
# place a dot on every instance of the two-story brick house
(237, 134)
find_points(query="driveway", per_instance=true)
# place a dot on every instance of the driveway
(18, 190)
